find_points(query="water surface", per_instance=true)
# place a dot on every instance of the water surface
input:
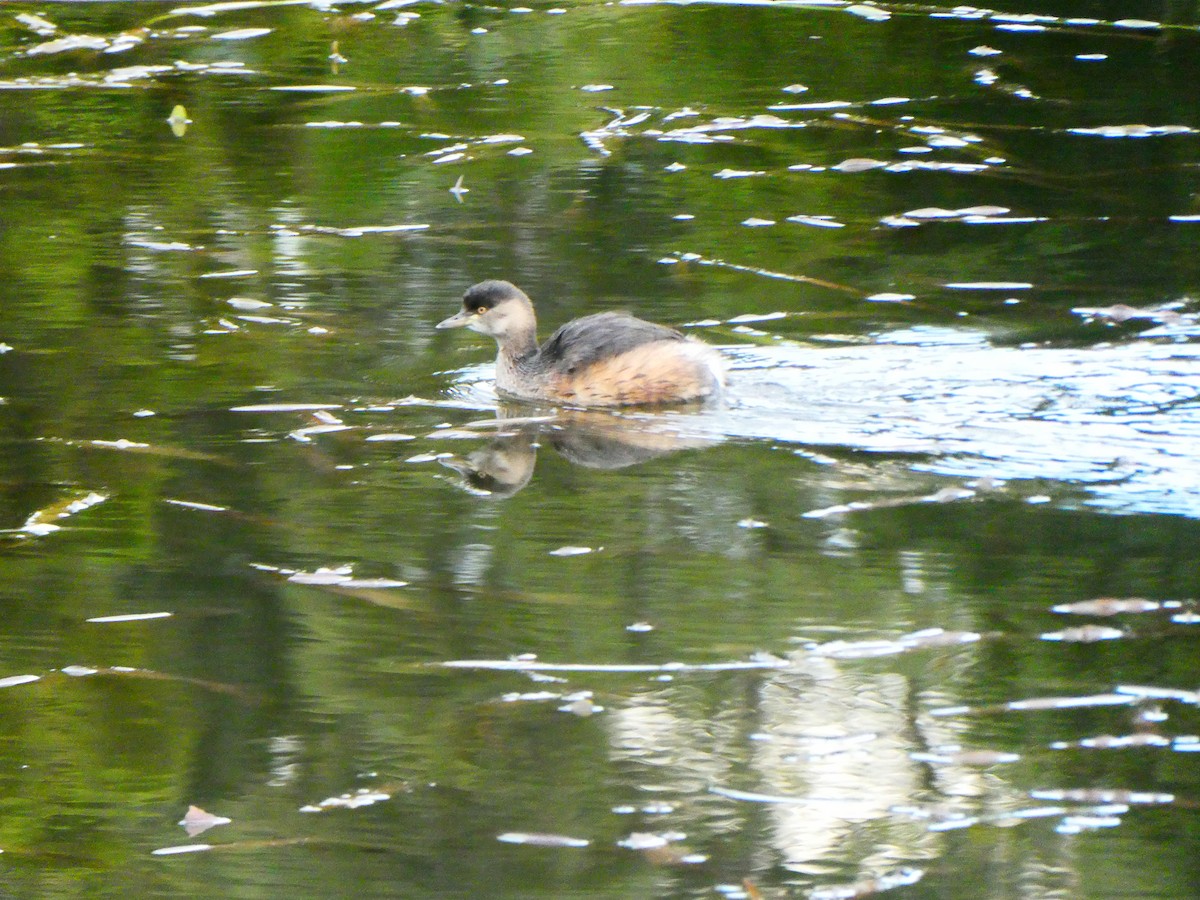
(910, 611)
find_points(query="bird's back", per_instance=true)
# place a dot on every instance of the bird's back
(592, 339)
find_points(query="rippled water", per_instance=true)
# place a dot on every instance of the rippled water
(291, 603)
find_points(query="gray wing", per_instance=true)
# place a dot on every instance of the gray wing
(584, 341)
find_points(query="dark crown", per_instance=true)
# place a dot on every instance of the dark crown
(487, 294)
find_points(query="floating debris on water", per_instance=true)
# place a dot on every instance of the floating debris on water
(1085, 634)
(45, 521)
(15, 680)
(284, 407)
(196, 821)
(181, 848)
(541, 839)
(1111, 606)
(357, 800)
(240, 34)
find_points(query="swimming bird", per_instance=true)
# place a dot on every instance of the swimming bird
(605, 359)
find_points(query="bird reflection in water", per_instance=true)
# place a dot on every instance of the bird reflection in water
(590, 438)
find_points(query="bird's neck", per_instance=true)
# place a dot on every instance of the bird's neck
(518, 346)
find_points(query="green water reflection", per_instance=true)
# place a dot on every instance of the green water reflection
(887, 462)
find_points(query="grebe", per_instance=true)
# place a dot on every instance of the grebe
(605, 359)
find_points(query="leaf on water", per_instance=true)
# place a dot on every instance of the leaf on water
(14, 680)
(581, 705)
(571, 551)
(984, 211)
(1121, 312)
(531, 697)
(36, 24)
(212, 9)
(428, 457)
(1079, 824)
(241, 34)
(644, 840)
(372, 584)
(360, 798)
(44, 521)
(120, 444)
(322, 575)
(179, 121)
(1038, 703)
(827, 104)
(182, 848)
(232, 273)
(305, 435)
(197, 821)
(246, 304)
(989, 285)
(130, 617)
(1111, 606)
(756, 317)
(1085, 634)
(314, 88)
(937, 212)
(816, 221)
(161, 246)
(284, 407)
(1133, 131)
(898, 222)
(868, 12)
(541, 839)
(67, 44)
